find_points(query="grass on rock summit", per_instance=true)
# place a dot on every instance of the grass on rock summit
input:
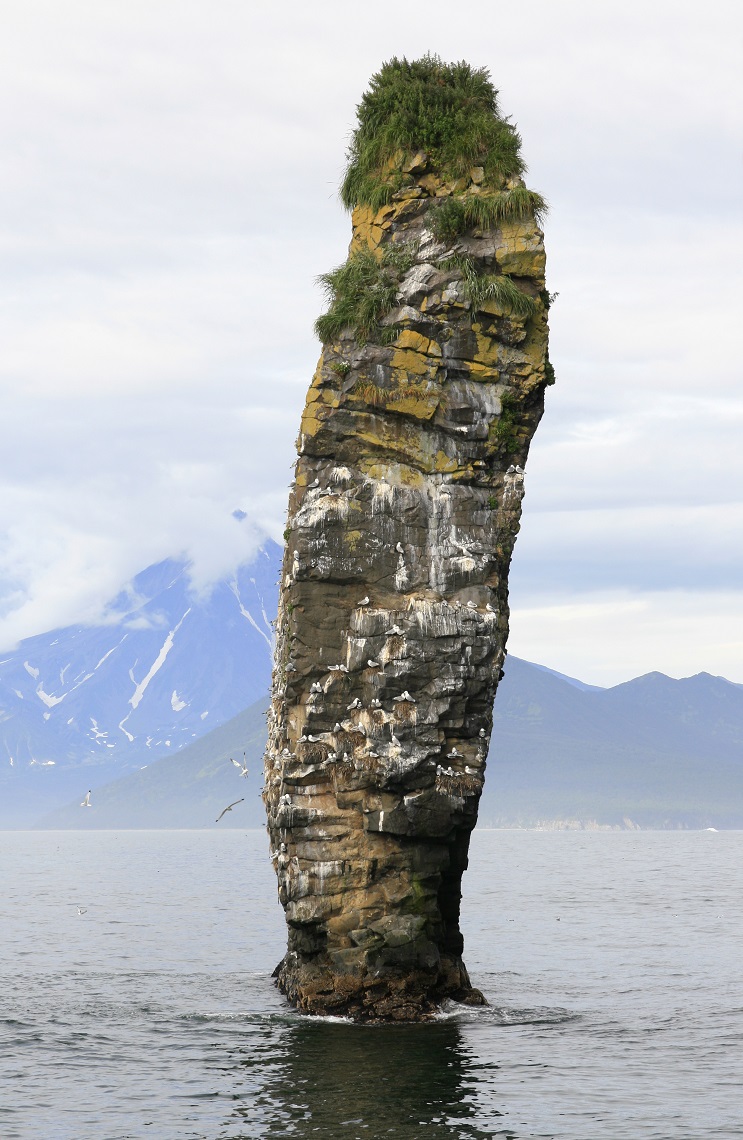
(450, 111)
(432, 131)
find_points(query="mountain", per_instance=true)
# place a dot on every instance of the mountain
(657, 751)
(189, 789)
(82, 705)
(653, 752)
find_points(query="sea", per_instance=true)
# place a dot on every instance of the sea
(136, 997)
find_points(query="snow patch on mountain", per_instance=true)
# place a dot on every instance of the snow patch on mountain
(162, 667)
(157, 664)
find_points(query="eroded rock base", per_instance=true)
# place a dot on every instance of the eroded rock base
(318, 987)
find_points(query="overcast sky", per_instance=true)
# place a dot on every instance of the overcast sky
(168, 196)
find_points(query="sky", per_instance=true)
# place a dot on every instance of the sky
(168, 197)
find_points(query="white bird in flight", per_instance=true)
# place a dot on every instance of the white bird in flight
(86, 802)
(242, 768)
(229, 808)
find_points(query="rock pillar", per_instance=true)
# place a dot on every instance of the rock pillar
(393, 610)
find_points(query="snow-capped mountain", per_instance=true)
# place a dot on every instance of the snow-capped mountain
(163, 668)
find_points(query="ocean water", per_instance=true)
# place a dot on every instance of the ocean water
(613, 964)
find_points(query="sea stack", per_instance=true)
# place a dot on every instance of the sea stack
(393, 611)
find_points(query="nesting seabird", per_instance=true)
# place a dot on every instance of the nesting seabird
(471, 605)
(372, 663)
(364, 601)
(400, 548)
(355, 704)
(394, 632)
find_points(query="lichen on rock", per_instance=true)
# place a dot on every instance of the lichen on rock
(393, 611)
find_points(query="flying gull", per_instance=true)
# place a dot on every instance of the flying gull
(229, 808)
(242, 768)
(86, 802)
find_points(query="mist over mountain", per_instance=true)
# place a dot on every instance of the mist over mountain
(82, 705)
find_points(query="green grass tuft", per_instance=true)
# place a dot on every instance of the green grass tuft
(505, 429)
(481, 287)
(484, 212)
(361, 292)
(449, 110)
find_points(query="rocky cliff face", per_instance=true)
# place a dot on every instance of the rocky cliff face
(393, 612)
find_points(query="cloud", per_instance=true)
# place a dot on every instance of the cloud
(169, 196)
(605, 638)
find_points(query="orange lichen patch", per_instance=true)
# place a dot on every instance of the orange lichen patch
(521, 252)
(419, 343)
(408, 360)
(411, 402)
(488, 350)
